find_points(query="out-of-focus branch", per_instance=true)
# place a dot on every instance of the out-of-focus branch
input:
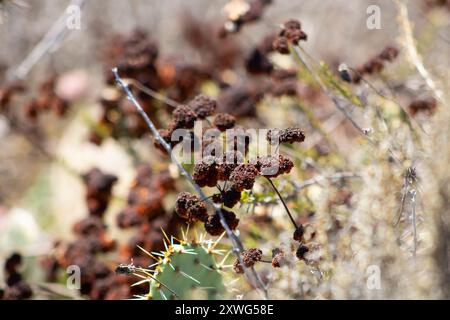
(410, 45)
(339, 105)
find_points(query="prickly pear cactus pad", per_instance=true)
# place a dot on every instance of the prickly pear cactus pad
(185, 270)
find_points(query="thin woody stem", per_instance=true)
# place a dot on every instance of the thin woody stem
(154, 94)
(237, 245)
(283, 202)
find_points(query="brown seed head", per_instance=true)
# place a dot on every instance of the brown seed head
(215, 228)
(189, 206)
(243, 177)
(203, 106)
(278, 258)
(281, 45)
(289, 135)
(224, 121)
(389, 54)
(205, 173)
(301, 251)
(183, 117)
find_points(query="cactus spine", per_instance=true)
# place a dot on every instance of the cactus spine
(185, 270)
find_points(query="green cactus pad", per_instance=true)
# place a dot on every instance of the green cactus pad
(186, 271)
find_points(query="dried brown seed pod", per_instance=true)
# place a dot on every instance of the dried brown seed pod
(98, 190)
(91, 225)
(96, 180)
(278, 258)
(241, 13)
(17, 288)
(427, 105)
(203, 106)
(389, 53)
(12, 263)
(163, 182)
(129, 218)
(249, 258)
(292, 24)
(19, 291)
(294, 36)
(281, 45)
(301, 252)
(291, 32)
(147, 202)
(190, 207)
(198, 212)
(205, 173)
(215, 228)
(273, 166)
(289, 135)
(243, 177)
(226, 163)
(375, 65)
(224, 121)
(228, 198)
(183, 117)
(237, 267)
(286, 164)
(258, 63)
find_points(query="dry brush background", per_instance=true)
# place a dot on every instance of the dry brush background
(404, 168)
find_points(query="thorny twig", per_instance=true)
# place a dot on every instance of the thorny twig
(237, 245)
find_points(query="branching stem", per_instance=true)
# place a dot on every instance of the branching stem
(237, 244)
